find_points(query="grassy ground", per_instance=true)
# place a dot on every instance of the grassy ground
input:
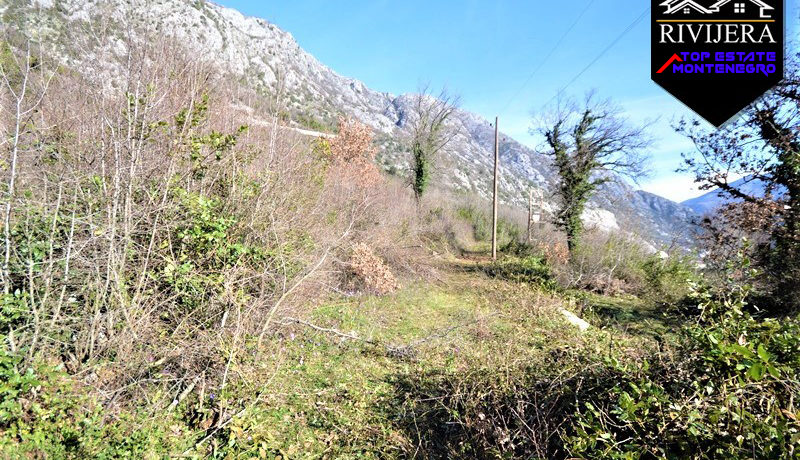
(407, 375)
(332, 396)
(628, 314)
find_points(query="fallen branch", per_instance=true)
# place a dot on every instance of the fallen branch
(335, 332)
(404, 351)
(400, 351)
(183, 395)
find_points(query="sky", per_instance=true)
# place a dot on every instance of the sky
(504, 58)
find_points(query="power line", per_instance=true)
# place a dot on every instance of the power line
(549, 54)
(602, 53)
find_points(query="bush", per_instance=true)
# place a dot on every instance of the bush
(729, 392)
(370, 272)
(44, 415)
(606, 264)
(531, 269)
(509, 234)
(667, 281)
(492, 412)
(481, 225)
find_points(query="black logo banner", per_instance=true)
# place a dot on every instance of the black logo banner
(717, 56)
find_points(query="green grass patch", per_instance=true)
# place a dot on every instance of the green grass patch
(628, 314)
(479, 341)
(531, 269)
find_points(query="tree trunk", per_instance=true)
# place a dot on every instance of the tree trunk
(572, 241)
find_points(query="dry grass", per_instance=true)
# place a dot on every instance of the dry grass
(170, 240)
(157, 226)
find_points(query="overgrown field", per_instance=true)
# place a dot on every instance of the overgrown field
(465, 365)
(183, 274)
(359, 377)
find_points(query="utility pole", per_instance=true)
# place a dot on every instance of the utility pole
(496, 172)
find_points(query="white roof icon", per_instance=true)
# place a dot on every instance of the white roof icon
(676, 6)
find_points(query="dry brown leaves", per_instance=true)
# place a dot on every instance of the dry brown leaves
(353, 153)
(371, 271)
(556, 253)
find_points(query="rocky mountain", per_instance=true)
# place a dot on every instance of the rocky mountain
(711, 201)
(268, 59)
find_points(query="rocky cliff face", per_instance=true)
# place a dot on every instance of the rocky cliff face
(267, 58)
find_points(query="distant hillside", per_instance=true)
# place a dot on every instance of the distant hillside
(266, 58)
(714, 199)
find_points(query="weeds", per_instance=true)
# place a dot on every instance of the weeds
(185, 276)
(730, 391)
(529, 269)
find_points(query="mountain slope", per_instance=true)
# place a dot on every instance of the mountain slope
(713, 200)
(270, 60)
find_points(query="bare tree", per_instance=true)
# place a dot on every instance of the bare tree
(26, 84)
(754, 162)
(430, 133)
(591, 144)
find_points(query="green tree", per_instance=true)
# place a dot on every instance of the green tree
(430, 133)
(591, 144)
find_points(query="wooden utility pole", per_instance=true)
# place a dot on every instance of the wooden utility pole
(496, 172)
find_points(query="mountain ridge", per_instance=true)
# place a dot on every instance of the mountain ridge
(270, 59)
(715, 199)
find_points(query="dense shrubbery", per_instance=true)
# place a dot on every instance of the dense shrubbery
(43, 414)
(667, 281)
(729, 391)
(530, 269)
(603, 263)
(501, 413)
(154, 245)
(509, 234)
(726, 388)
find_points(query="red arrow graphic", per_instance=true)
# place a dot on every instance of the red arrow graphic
(674, 58)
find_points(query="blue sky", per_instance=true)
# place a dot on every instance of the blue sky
(486, 51)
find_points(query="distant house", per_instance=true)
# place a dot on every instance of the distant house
(738, 7)
(684, 7)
